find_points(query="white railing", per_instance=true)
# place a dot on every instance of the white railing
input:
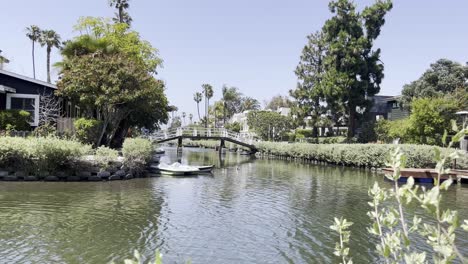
(203, 133)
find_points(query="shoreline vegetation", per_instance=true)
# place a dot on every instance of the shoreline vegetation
(372, 156)
(55, 159)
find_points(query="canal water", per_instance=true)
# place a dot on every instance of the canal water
(248, 211)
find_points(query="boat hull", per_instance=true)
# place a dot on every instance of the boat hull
(177, 173)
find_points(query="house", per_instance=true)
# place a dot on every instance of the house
(387, 107)
(20, 92)
(23, 93)
(241, 118)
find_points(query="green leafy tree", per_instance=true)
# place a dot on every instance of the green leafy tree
(3, 60)
(33, 33)
(231, 97)
(50, 39)
(308, 93)
(208, 92)
(277, 102)
(426, 124)
(197, 97)
(269, 125)
(176, 122)
(444, 77)
(429, 118)
(122, 15)
(121, 38)
(217, 111)
(249, 103)
(353, 69)
(113, 85)
(234, 126)
(118, 68)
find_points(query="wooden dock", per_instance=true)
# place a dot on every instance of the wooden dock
(428, 175)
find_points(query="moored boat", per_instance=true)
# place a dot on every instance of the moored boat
(205, 169)
(420, 175)
(160, 151)
(177, 169)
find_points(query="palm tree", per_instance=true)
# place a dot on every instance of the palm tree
(230, 94)
(190, 117)
(33, 33)
(3, 60)
(183, 116)
(197, 97)
(122, 15)
(50, 39)
(250, 103)
(208, 91)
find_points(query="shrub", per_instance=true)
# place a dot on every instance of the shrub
(14, 120)
(137, 152)
(39, 154)
(52, 153)
(15, 153)
(322, 140)
(45, 130)
(87, 130)
(104, 156)
(235, 126)
(358, 155)
(201, 143)
(304, 133)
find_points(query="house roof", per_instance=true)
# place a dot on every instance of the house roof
(28, 79)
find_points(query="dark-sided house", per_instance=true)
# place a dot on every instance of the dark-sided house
(23, 93)
(20, 92)
(387, 107)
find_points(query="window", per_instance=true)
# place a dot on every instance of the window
(26, 102)
(69, 109)
(77, 111)
(395, 105)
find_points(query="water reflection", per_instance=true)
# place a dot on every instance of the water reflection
(248, 211)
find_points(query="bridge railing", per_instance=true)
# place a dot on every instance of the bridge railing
(203, 133)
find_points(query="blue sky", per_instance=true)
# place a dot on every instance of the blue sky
(251, 44)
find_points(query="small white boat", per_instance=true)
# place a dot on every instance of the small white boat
(205, 169)
(160, 151)
(177, 169)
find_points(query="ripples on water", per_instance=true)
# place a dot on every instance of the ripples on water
(249, 211)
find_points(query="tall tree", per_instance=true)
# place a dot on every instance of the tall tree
(208, 92)
(442, 78)
(309, 93)
(122, 15)
(110, 71)
(353, 70)
(231, 101)
(269, 125)
(197, 97)
(249, 103)
(183, 116)
(50, 39)
(33, 33)
(3, 60)
(190, 118)
(278, 101)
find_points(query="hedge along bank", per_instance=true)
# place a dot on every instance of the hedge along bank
(357, 155)
(53, 159)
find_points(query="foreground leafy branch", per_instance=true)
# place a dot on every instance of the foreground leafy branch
(393, 229)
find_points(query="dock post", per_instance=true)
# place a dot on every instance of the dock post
(179, 144)
(221, 146)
